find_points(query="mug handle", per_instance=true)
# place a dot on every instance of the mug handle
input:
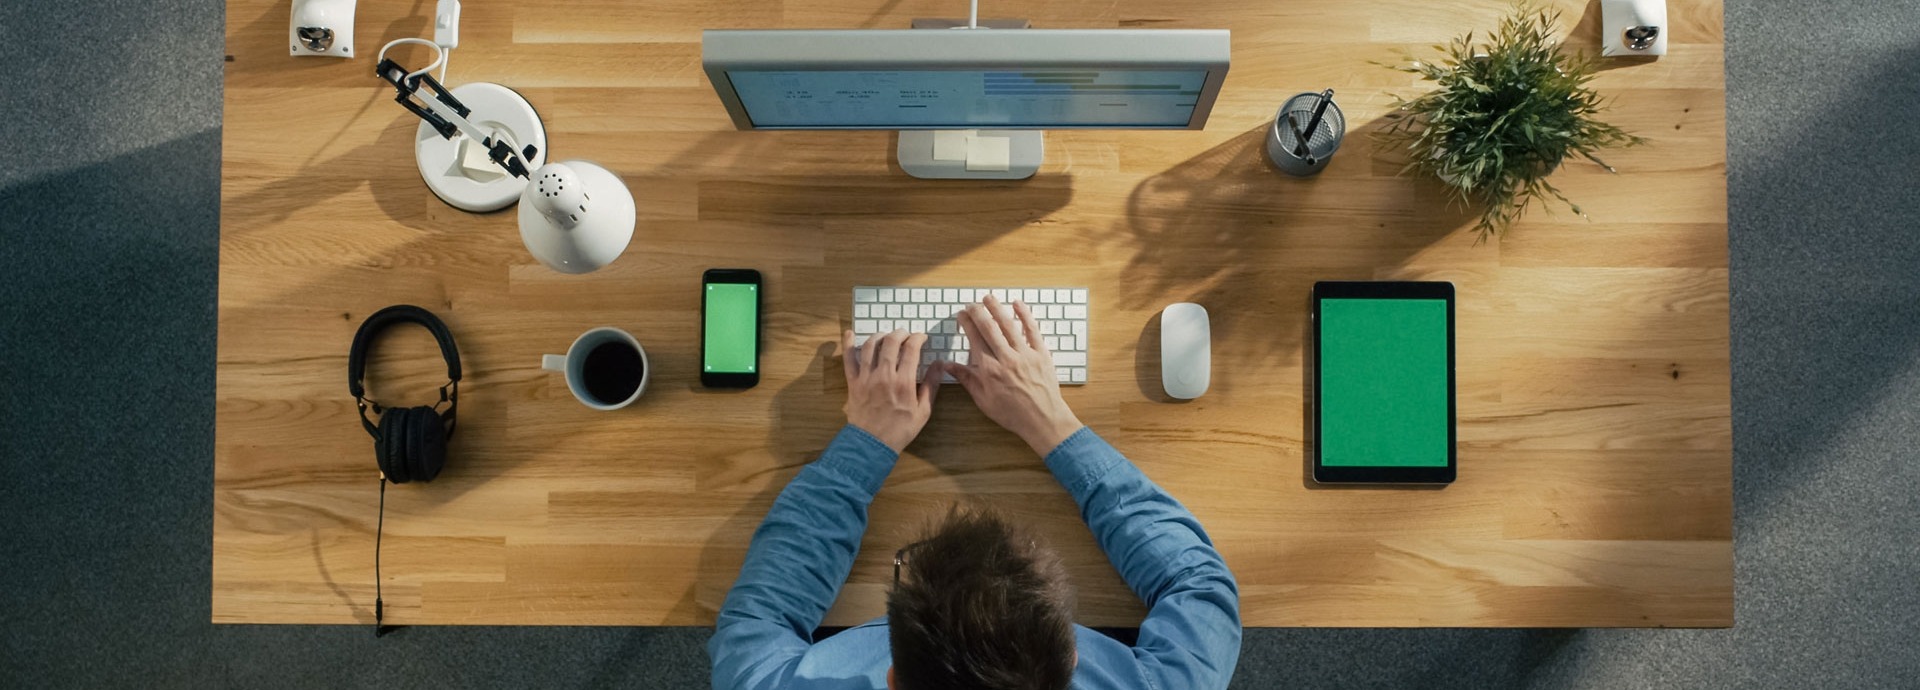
(554, 363)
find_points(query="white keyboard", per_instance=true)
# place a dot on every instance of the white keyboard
(1060, 311)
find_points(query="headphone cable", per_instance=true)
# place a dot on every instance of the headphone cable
(379, 604)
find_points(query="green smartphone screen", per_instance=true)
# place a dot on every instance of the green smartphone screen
(732, 314)
(1383, 383)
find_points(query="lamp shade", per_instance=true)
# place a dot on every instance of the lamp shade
(576, 216)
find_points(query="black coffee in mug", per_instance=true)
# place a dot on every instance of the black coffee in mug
(612, 372)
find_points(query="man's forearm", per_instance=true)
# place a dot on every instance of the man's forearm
(1126, 511)
(799, 556)
(1191, 636)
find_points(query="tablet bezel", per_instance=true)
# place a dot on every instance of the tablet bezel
(1428, 290)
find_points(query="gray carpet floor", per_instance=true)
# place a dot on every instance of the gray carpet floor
(109, 230)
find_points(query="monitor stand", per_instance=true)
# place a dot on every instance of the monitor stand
(947, 154)
(944, 155)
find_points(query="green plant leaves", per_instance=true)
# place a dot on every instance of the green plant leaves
(1502, 118)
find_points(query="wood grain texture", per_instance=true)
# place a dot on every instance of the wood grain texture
(1595, 443)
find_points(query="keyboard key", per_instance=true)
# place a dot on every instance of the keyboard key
(893, 311)
(1079, 296)
(1053, 311)
(865, 327)
(1079, 375)
(926, 311)
(859, 340)
(860, 311)
(969, 295)
(1076, 311)
(1046, 327)
(1069, 359)
(1080, 342)
(1052, 343)
(919, 295)
(951, 295)
(938, 342)
(941, 311)
(1063, 375)
(886, 295)
(865, 295)
(1031, 296)
(1079, 328)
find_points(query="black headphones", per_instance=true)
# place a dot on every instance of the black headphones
(410, 443)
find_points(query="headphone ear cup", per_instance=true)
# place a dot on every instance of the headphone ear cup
(411, 441)
(390, 447)
(433, 445)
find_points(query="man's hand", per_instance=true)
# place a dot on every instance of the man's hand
(882, 398)
(1011, 376)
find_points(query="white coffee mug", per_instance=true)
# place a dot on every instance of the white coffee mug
(583, 383)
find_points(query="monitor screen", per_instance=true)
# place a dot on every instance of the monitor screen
(959, 99)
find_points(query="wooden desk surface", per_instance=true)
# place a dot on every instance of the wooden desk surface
(1595, 443)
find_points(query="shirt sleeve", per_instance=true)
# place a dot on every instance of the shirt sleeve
(799, 557)
(1191, 636)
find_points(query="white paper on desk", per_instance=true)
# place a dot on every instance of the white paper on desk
(951, 144)
(989, 154)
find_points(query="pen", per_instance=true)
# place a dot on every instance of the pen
(1300, 147)
(1326, 98)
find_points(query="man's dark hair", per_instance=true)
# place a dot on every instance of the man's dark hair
(982, 604)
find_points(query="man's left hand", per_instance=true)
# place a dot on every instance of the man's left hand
(882, 398)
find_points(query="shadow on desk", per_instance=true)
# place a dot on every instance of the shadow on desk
(1226, 230)
(802, 430)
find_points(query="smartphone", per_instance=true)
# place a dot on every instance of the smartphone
(730, 328)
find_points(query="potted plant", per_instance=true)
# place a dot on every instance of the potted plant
(1502, 117)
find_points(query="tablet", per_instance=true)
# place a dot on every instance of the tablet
(1383, 407)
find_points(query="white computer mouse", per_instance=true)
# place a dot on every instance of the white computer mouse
(1186, 350)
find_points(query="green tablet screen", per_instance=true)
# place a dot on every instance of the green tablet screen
(1383, 383)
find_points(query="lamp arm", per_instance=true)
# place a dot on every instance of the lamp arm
(448, 116)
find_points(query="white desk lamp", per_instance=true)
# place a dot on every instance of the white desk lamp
(475, 145)
(576, 216)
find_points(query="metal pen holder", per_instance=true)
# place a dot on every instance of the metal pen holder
(1283, 145)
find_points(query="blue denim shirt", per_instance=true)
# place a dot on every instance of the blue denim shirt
(803, 551)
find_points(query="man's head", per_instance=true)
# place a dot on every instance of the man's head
(981, 604)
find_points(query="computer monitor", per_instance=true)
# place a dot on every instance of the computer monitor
(968, 102)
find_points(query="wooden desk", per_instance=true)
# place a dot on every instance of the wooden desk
(1595, 450)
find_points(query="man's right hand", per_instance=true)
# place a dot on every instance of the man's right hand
(1011, 377)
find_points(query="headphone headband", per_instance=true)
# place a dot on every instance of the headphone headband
(379, 321)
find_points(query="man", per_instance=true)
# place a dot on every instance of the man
(980, 604)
